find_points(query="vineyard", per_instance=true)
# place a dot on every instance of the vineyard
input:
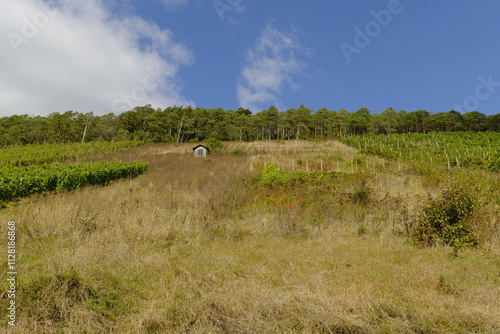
(454, 149)
(25, 181)
(32, 169)
(38, 154)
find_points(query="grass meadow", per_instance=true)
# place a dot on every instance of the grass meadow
(204, 246)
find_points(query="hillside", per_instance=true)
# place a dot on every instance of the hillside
(264, 237)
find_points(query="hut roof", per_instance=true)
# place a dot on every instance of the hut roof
(198, 146)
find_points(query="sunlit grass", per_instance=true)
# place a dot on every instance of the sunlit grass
(198, 246)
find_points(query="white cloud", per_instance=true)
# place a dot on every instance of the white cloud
(228, 9)
(270, 65)
(78, 56)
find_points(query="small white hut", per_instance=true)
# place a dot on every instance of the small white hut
(200, 151)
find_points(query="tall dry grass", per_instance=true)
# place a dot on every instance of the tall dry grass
(194, 246)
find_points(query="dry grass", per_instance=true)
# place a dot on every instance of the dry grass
(192, 247)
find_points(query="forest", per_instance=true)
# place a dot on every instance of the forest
(188, 124)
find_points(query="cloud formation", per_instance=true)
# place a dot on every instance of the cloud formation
(75, 55)
(270, 66)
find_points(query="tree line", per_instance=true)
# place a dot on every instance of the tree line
(184, 124)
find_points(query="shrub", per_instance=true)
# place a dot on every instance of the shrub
(272, 174)
(362, 194)
(359, 160)
(215, 145)
(445, 221)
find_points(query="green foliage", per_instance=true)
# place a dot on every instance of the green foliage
(363, 193)
(48, 153)
(19, 182)
(106, 303)
(293, 193)
(445, 221)
(359, 160)
(273, 175)
(460, 149)
(188, 124)
(215, 145)
(495, 165)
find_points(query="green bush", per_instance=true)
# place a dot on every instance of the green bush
(362, 194)
(272, 175)
(215, 145)
(359, 160)
(445, 221)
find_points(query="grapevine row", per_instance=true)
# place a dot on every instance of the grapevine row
(39, 154)
(16, 182)
(462, 149)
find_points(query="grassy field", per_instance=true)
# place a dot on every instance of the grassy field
(321, 244)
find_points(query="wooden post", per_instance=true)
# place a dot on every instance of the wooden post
(293, 165)
(321, 165)
(448, 161)
(307, 165)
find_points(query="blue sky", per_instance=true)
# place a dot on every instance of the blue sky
(109, 56)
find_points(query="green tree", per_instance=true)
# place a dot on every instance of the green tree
(84, 122)
(61, 127)
(219, 125)
(416, 121)
(286, 127)
(270, 121)
(493, 123)
(240, 124)
(323, 120)
(135, 122)
(107, 127)
(359, 121)
(301, 119)
(389, 121)
(340, 122)
(474, 121)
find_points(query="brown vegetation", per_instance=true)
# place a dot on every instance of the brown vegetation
(199, 246)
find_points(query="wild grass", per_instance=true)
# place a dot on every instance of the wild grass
(198, 246)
